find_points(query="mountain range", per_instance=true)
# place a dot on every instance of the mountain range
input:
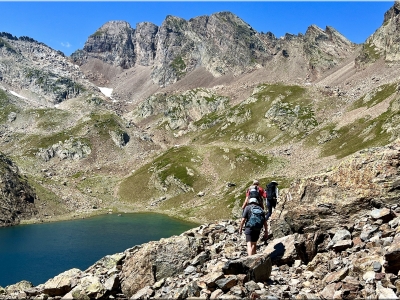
(180, 118)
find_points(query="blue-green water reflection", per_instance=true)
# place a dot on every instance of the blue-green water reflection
(40, 251)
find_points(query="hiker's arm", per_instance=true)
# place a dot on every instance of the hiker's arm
(241, 225)
(245, 202)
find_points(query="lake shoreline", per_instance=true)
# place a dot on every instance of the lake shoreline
(41, 251)
(97, 212)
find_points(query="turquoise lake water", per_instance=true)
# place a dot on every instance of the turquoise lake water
(39, 252)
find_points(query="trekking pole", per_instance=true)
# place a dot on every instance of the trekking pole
(288, 196)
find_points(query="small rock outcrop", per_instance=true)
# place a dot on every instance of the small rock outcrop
(69, 149)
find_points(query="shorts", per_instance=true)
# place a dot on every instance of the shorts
(253, 236)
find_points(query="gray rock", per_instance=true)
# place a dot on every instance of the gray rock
(154, 261)
(258, 267)
(385, 293)
(112, 283)
(227, 282)
(383, 214)
(12, 116)
(377, 266)
(367, 232)
(62, 283)
(342, 245)
(18, 287)
(144, 293)
(251, 286)
(282, 250)
(189, 270)
(340, 235)
(201, 258)
(230, 229)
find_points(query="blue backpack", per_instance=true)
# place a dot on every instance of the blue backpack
(257, 218)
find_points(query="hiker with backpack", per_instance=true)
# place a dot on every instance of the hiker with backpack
(272, 193)
(253, 218)
(255, 192)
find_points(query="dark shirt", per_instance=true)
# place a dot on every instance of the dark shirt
(246, 214)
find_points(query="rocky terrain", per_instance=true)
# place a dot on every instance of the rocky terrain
(355, 259)
(179, 119)
(335, 235)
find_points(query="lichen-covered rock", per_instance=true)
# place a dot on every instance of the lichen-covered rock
(69, 149)
(89, 287)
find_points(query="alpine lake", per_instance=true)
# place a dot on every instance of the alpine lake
(38, 252)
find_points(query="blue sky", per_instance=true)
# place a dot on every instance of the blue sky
(65, 26)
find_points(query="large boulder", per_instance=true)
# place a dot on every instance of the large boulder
(282, 250)
(157, 260)
(392, 256)
(62, 283)
(89, 287)
(18, 287)
(257, 267)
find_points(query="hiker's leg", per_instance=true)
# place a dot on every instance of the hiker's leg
(249, 248)
(253, 248)
(269, 207)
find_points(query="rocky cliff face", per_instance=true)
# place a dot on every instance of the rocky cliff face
(112, 43)
(221, 43)
(370, 178)
(384, 43)
(42, 75)
(17, 198)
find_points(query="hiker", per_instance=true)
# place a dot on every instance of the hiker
(272, 193)
(255, 192)
(253, 218)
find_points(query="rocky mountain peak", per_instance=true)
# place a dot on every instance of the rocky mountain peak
(222, 43)
(393, 12)
(113, 28)
(111, 43)
(383, 43)
(314, 30)
(329, 34)
(336, 36)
